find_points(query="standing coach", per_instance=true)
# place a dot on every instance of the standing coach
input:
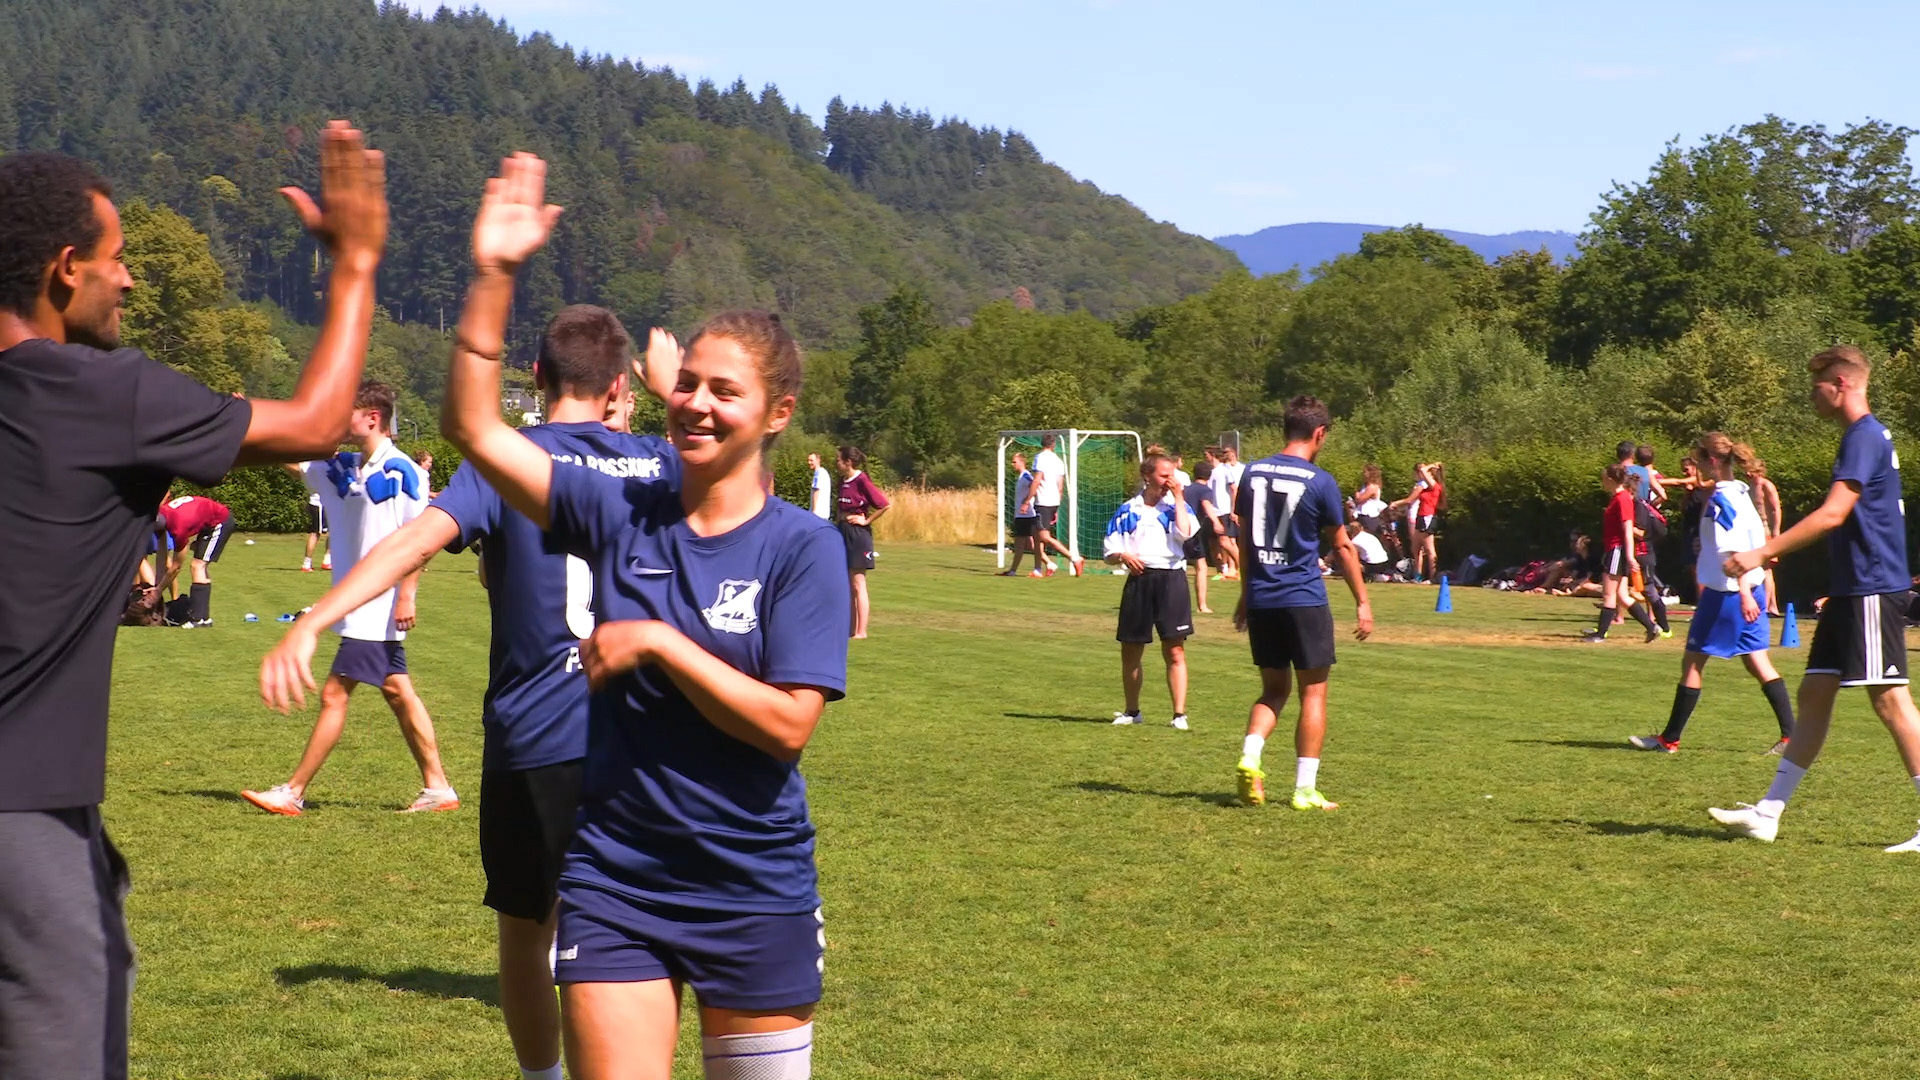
(91, 436)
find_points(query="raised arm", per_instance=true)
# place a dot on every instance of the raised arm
(661, 367)
(351, 224)
(287, 671)
(513, 223)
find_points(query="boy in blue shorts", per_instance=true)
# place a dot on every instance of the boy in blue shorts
(1861, 636)
(1290, 512)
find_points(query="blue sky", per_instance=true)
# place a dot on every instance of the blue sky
(1227, 117)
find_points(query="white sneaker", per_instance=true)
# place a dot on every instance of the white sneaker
(1124, 718)
(278, 799)
(1180, 723)
(1750, 821)
(1909, 845)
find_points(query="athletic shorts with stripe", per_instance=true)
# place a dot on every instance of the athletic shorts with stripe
(1862, 639)
(211, 542)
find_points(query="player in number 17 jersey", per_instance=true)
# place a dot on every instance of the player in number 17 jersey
(1291, 513)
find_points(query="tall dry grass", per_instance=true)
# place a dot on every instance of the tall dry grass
(937, 516)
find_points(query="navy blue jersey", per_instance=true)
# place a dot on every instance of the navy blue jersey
(1285, 503)
(541, 598)
(1868, 551)
(674, 810)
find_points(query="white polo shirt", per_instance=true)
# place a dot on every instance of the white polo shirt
(366, 502)
(1048, 474)
(1156, 534)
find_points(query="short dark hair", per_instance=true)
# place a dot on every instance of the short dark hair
(1306, 414)
(1047, 440)
(1643, 454)
(376, 395)
(46, 204)
(584, 350)
(1625, 449)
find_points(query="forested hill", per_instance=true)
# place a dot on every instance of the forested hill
(680, 198)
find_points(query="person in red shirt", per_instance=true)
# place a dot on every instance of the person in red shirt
(1619, 558)
(861, 501)
(199, 523)
(1424, 506)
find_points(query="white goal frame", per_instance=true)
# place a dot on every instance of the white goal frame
(1074, 439)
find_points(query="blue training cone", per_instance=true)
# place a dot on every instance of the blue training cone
(1445, 603)
(1790, 631)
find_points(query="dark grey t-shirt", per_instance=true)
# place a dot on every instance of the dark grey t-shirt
(89, 442)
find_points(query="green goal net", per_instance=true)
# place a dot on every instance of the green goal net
(1103, 469)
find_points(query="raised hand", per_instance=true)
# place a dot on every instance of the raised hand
(662, 367)
(515, 219)
(351, 217)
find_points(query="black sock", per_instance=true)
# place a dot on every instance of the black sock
(1684, 699)
(1607, 615)
(200, 603)
(1659, 605)
(1782, 703)
(1639, 612)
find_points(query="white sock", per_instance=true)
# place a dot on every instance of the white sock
(1250, 748)
(1916, 783)
(551, 1072)
(1306, 773)
(772, 1055)
(306, 564)
(1786, 779)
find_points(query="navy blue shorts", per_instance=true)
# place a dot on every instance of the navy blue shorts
(369, 661)
(730, 959)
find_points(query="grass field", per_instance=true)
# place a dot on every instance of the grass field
(1016, 889)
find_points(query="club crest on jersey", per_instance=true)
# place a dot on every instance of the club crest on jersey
(733, 610)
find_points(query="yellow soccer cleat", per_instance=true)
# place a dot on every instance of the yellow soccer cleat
(1253, 789)
(1306, 798)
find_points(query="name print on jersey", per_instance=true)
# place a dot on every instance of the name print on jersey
(733, 611)
(624, 468)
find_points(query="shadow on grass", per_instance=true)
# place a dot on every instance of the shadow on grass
(1212, 798)
(1583, 744)
(1635, 828)
(1060, 717)
(449, 985)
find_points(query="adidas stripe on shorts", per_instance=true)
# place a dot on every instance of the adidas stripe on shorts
(1863, 640)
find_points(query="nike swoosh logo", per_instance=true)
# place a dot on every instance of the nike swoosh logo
(650, 571)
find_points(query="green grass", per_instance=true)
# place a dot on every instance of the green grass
(1016, 889)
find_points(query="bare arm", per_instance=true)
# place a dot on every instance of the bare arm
(1346, 561)
(288, 668)
(514, 221)
(775, 719)
(174, 562)
(1826, 517)
(353, 228)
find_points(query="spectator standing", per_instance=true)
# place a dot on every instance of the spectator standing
(860, 502)
(820, 497)
(316, 535)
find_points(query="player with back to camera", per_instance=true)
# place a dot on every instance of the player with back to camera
(1729, 619)
(1861, 638)
(103, 431)
(1291, 513)
(1148, 535)
(534, 714)
(722, 632)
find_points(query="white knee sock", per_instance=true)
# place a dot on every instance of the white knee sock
(551, 1072)
(1250, 749)
(1306, 772)
(1786, 779)
(772, 1055)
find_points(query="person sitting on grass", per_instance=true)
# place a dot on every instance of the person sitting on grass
(1729, 619)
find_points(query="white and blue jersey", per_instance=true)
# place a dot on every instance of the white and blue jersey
(541, 598)
(1155, 534)
(675, 811)
(367, 501)
(1868, 552)
(1729, 524)
(1285, 506)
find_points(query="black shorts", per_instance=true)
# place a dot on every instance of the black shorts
(1048, 517)
(1862, 639)
(526, 823)
(316, 520)
(211, 542)
(1195, 549)
(1024, 526)
(1615, 562)
(369, 661)
(1297, 637)
(859, 540)
(1430, 524)
(1230, 528)
(1155, 600)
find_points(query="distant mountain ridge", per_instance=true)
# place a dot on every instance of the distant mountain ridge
(1280, 248)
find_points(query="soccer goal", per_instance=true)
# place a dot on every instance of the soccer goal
(1102, 472)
